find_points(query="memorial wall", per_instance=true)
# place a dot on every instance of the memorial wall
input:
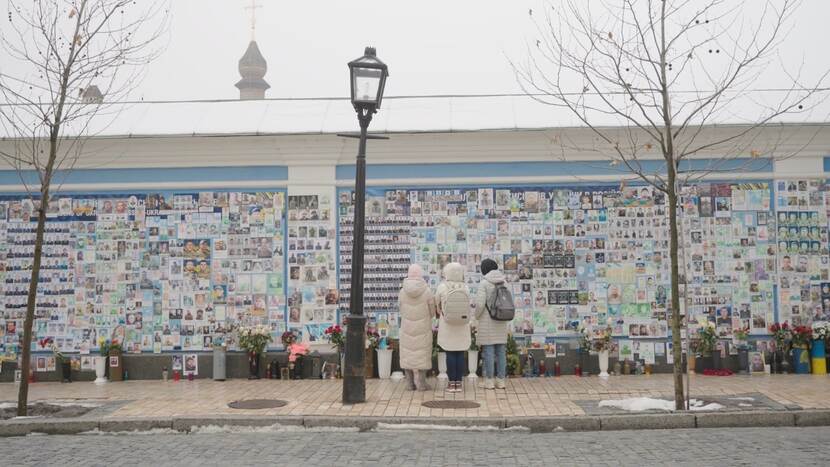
(172, 271)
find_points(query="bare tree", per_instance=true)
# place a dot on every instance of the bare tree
(70, 63)
(648, 78)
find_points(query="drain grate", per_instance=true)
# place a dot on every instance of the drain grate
(451, 404)
(254, 404)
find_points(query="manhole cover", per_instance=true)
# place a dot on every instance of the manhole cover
(252, 404)
(451, 404)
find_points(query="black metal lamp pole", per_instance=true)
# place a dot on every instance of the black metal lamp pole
(368, 78)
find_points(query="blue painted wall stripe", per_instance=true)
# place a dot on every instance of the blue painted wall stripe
(176, 174)
(504, 169)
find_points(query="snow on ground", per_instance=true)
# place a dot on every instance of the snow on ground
(438, 427)
(275, 428)
(641, 404)
(154, 431)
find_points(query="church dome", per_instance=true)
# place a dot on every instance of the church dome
(252, 68)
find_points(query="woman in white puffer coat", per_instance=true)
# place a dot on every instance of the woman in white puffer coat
(417, 308)
(454, 339)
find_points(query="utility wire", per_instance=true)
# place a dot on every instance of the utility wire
(435, 96)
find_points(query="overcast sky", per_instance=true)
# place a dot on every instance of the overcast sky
(431, 46)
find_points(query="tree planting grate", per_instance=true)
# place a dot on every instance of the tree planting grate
(451, 404)
(255, 404)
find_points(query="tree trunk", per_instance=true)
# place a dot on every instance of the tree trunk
(677, 352)
(23, 394)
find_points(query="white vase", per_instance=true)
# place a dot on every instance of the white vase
(472, 363)
(384, 363)
(603, 363)
(100, 370)
(442, 365)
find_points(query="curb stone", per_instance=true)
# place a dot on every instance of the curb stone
(361, 423)
(187, 424)
(135, 424)
(745, 419)
(647, 422)
(813, 418)
(78, 425)
(497, 422)
(551, 424)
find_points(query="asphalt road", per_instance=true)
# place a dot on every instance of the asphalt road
(697, 447)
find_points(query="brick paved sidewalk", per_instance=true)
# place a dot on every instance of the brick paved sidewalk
(533, 397)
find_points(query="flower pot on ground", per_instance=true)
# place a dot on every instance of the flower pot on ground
(384, 363)
(818, 357)
(254, 340)
(100, 370)
(818, 353)
(703, 363)
(801, 360)
(801, 337)
(782, 334)
(603, 363)
(219, 362)
(739, 339)
(472, 363)
(253, 365)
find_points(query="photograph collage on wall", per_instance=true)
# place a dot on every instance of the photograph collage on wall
(730, 256)
(803, 261)
(570, 254)
(312, 274)
(595, 255)
(386, 255)
(158, 272)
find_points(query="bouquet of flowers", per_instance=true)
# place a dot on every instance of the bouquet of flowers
(288, 338)
(602, 342)
(296, 350)
(801, 336)
(336, 337)
(706, 338)
(821, 331)
(105, 346)
(584, 338)
(254, 338)
(781, 333)
(373, 338)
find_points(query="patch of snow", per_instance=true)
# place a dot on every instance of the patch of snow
(154, 431)
(56, 402)
(430, 427)
(275, 428)
(641, 404)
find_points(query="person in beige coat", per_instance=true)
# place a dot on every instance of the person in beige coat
(491, 335)
(417, 308)
(454, 339)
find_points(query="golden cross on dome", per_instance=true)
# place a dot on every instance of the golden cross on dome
(254, 5)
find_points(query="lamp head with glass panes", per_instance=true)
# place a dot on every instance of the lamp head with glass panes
(368, 75)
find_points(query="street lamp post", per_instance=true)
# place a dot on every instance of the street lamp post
(368, 79)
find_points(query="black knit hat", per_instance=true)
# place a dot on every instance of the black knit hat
(488, 265)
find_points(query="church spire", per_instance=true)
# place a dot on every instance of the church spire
(252, 66)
